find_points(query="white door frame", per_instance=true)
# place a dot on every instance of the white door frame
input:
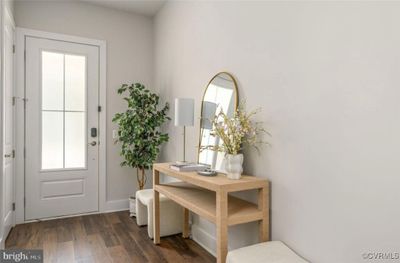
(5, 16)
(1, 123)
(22, 33)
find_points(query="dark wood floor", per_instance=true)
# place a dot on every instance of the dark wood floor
(112, 237)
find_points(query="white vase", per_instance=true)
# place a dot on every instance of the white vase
(234, 166)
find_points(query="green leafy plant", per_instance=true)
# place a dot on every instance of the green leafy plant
(139, 129)
(237, 131)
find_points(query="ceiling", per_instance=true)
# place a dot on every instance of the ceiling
(143, 7)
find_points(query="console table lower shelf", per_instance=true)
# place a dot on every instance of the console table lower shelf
(203, 203)
(212, 201)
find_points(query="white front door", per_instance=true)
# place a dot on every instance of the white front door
(61, 165)
(8, 126)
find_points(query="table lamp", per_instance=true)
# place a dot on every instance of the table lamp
(184, 116)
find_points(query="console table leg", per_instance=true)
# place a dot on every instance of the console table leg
(156, 208)
(222, 225)
(263, 205)
(185, 230)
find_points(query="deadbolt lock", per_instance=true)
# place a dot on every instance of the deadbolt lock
(93, 143)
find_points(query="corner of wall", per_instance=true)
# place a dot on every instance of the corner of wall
(205, 239)
(9, 6)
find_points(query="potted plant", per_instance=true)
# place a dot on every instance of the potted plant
(235, 133)
(139, 129)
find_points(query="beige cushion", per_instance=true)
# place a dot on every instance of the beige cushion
(267, 252)
(146, 195)
(171, 214)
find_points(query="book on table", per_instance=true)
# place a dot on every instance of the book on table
(188, 167)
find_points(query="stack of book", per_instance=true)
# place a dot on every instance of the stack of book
(188, 167)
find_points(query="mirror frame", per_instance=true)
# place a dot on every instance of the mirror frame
(202, 99)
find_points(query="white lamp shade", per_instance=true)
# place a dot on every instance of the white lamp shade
(184, 112)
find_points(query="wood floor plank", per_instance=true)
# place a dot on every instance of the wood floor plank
(36, 237)
(90, 227)
(100, 223)
(113, 237)
(12, 238)
(130, 245)
(169, 253)
(98, 249)
(64, 233)
(65, 252)
(119, 255)
(82, 249)
(203, 255)
(110, 238)
(50, 223)
(50, 245)
(23, 235)
(112, 218)
(89, 259)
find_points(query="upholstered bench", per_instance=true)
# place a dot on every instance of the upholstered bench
(171, 214)
(266, 252)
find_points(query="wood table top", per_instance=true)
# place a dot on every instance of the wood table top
(214, 183)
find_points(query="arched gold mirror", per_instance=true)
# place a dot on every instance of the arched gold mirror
(221, 94)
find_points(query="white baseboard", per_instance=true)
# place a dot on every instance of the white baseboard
(116, 205)
(204, 239)
(2, 243)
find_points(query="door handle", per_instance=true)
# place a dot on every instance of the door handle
(93, 143)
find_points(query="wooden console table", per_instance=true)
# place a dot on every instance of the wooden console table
(209, 197)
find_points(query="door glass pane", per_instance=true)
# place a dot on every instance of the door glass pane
(52, 140)
(75, 142)
(63, 111)
(75, 83)
(52, 81)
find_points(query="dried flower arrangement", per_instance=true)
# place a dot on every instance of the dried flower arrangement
(236, 131)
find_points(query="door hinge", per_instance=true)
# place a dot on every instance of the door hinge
(99, 108)
(14, 49)
(11, 155)
(24, 55)
(15, 98)
(13, 206)
(24, 153)
(24, 201)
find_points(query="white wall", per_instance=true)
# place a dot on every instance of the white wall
(327, 76)
(129, 59)
(9, 4)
